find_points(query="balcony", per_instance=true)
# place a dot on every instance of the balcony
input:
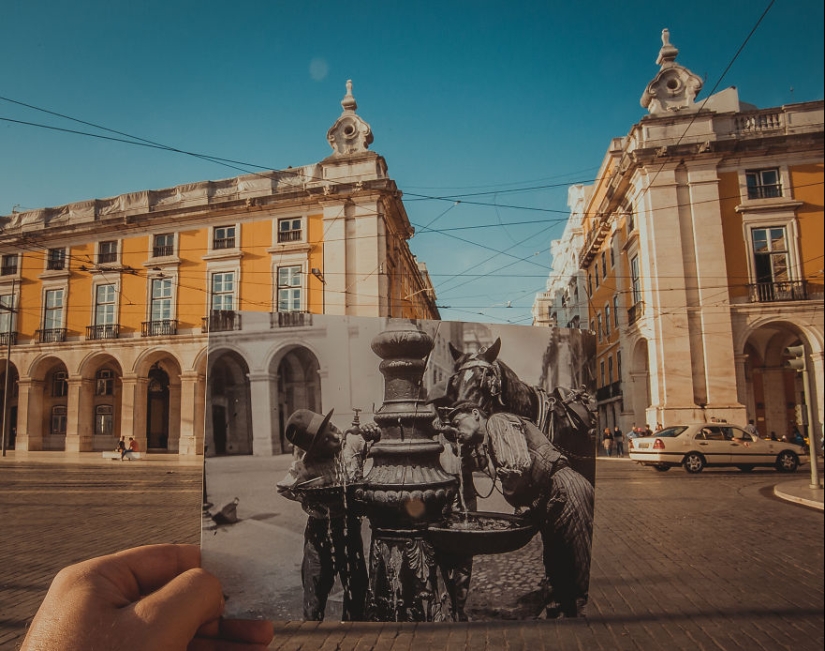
(220, 243)
(289, 236)
(290, 319)
(50, 335)
(163, 251)
(609, 391)
(107, 257)
(8, 338)
(159, 328)
(635, 312)
(106, 331)
(221, 321)
(788, 290)
(8, 270)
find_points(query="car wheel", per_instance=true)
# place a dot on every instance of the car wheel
(787, 461)
(694, 462)
(662, 467)
(745, 468)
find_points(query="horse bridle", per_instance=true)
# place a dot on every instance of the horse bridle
(490, 377)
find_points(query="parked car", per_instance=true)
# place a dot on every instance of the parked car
(697, 445)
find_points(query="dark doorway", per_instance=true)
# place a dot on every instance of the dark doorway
(219, 428)
(157, 409)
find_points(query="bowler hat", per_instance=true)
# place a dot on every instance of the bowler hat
(304, 427)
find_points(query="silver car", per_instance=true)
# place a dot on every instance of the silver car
(697, 445)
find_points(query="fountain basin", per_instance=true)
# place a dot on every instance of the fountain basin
(481, 532)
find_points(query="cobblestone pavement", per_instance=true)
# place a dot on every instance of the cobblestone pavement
(712, 561)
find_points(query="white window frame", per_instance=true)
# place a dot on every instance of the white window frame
(233, 293)
(65, 259)
(47, 290)
(213, 230)
(636, 279)
(785, 181)
(174, 245)
(773, 219)
(173, 278)
(98, 254)
(303, 230)
(301, 286)
(116, 307)
(8, 318)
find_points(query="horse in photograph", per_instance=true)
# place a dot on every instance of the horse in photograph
(564, 415)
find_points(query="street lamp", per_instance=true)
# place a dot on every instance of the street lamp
(320, 276)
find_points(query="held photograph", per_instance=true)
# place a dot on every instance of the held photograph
(379, 469)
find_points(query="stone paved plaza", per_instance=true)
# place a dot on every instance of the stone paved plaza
(713, 561)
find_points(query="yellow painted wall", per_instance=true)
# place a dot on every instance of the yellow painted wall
(193, 290)
(736, 252)
(807, 181)
(315, 288)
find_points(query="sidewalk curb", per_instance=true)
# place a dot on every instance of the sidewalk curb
(797, 493)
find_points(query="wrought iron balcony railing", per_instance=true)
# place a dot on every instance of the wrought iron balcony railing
(223, 243)
(290, 319)
(787, 290)
(8, 338)
(159, 328)
(106, 331)
(163, 251)
(613, 390)
(50, 335)
(221, 321)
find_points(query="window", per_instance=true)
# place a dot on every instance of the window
(599, 325)
(107, 252)
(104, 420)
(105, 384)
(289, 230)
(619, 365)
(56, 260)
(223, 237)
(601, 372)
(53, 310)
(8, 267)
(610, 370)
(635, 281)
(631, 222)
(105, 305)
(223, 291)
(592, 325)
(161, 299)
(60, 384)
(607, 320)
(596, 275)
(589, 284)
(604, 265)
(763, 184)
(58, 420)
(770, 254)
(616, 311)
(6, 314)
(289, 289)
(163, 245)
(612, 255)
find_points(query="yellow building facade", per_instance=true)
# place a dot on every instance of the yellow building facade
(106, 305)
(703, 256)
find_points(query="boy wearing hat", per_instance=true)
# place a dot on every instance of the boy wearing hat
(325, 457)
(536, 477)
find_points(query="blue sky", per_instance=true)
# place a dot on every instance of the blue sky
(514, 99)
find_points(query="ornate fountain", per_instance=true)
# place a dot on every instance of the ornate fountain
(406, 490)
(407, 495)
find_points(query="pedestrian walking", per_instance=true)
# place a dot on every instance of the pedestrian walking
(618, 441)
(607, 441)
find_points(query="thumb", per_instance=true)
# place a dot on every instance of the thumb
(177, 610)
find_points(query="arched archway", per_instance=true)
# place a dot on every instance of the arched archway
(229, 412)
(48, 415)
(775, 394)
(157, 402)
(299, 386)
(100, 400)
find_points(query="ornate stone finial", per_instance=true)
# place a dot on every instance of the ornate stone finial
(348, 103)
(350, 134)
(675, 87)
(669, 52)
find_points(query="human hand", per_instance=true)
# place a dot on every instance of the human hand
(370, 432)
(141, 599)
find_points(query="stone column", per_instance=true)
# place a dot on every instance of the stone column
(80, 404)
(191, 414)
(133, 415)
(29, 415)
(265, 441)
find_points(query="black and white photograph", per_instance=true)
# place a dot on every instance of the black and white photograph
(380, 469)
